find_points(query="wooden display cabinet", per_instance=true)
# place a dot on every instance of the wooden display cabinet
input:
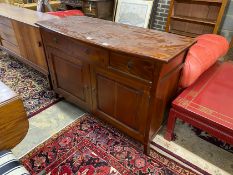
(195, 17)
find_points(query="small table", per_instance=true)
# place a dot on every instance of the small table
(13, 118)
(207, 104)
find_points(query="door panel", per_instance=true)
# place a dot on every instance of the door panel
(64, 71)
(120, 101)
(70, 77)
(127, 103)
(105, 95)
(30, 44)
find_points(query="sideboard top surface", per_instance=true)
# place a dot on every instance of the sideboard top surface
(23, 15)
(120, 37)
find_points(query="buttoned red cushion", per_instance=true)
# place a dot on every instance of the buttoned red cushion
(202, 55)
(66, 13)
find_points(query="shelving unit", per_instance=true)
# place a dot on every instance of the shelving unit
(195, 17)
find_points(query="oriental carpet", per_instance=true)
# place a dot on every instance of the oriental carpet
(89, 146)
(31, 85)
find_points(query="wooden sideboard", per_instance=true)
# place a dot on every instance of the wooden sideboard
(21, 37)
(122, 74)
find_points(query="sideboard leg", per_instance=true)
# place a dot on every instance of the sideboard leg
(147, 149)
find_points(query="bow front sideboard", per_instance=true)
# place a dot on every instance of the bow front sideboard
(121, 74)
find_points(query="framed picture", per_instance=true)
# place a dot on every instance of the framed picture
(134, 12)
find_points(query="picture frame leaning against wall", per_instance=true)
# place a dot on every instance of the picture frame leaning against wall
(134, 12)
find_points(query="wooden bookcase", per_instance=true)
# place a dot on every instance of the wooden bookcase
(195, 17)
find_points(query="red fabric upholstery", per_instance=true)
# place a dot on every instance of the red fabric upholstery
(202, 55)
(208, 103)
(66, 13)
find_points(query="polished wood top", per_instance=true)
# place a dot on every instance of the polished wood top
(129, 39)
(23, 15)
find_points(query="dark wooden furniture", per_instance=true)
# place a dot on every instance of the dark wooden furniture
(13, 118)
(94, 8)
(122, 74)
(99, 8)
(207, 104)
(21, 37)
(195, 17)
(71, 4)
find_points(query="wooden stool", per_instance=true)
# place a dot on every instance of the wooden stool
(13, 118)
(207, 104)
(231, 43)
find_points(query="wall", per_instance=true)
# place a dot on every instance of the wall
(161, 14)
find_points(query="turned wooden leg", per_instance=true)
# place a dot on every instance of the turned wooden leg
(170, 125)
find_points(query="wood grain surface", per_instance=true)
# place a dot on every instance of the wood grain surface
(13, 119)
(23, 15)
(119, 37)
(121, 83)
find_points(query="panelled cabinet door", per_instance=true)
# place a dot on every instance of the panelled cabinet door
(30, 44)
(120, 101)
(70, 77)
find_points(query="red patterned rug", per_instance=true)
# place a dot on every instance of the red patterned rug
(31, 85)
(89, 146)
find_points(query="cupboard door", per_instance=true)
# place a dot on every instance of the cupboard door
(120, 101)
(30, 44)
(70, 77)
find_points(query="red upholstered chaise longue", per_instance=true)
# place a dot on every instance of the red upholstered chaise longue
(207, 102)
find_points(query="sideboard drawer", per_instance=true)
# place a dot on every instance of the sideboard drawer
(131, 65)
(11, 47)
(87, 53)
(9, 36)
(5, 21)
(7, 29)
(7, 33)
